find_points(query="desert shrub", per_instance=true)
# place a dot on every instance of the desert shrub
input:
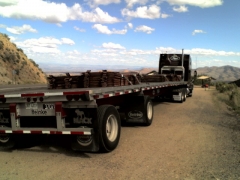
(34, 63)
(234, 99)
(18, 56)
(1, 45)
(10, 56)
(6, 36)
(224, 87)
(230, 95)
(19, 49)
(24, 63)
(17, 71)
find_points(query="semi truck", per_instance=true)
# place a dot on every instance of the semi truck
(90, 108)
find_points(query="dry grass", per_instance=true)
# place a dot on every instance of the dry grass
(13, 58)
(229, 94)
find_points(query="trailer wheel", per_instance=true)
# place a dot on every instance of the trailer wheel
(109, 127)
(148, 108)
(6, 141)
(182, 97)
(190, 94)
(184, 94)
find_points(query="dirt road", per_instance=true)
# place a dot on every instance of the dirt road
(198, 139)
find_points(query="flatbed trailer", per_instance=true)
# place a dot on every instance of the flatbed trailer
(90, 116)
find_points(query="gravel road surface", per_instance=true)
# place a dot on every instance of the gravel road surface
(199, 139)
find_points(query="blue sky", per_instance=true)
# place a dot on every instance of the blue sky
(123, 32)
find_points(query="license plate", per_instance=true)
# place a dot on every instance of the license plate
(48, 106)
(31, 105)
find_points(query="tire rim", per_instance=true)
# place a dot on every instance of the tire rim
(4, 138)
(112, 128)
(84, 140)
(149, 110)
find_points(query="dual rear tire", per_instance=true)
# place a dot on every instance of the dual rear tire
(109, 128)
(109, 124)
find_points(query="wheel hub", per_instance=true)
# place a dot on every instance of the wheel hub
(84, 140)
(111, 128)
(149, 111)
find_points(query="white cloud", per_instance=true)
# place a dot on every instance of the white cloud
(196, 51)
(2, 26)
(44, 44)
(199, 3)
(151, 12)
(145, 29)
(180, 9)
(136, 52)
(74, 52)
(8, 2)
(104, 29)
(54, 12)
(165, 16)
(130, 25)
(67, 41)
(197, 32)
(111, 45)
(79, 29)
(95, 3)
(130, 3)
(20, 30)
(114, 54)
(12, 38)
(217, 60)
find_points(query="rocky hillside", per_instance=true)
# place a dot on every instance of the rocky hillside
(223, 73)
(15, 67)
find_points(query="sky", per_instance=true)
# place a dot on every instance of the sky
(123, 32)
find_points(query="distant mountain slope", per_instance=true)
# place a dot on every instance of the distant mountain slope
(15, 67)
(223, 73)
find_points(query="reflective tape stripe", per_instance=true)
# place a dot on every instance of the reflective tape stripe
(12, 95)
(54, 94)
(27, 132)
(8, 131)
(45, 132)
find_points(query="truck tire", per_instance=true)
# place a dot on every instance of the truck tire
(148, 111)
(185, 95)
(182, 97)
(109, 127)
(190, 94)
(6, 142)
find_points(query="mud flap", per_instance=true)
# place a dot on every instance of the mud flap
(135, 109)
(93, 146)
(84, 117)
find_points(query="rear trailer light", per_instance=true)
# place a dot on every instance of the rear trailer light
(3, 100)
(76, 97)
(69, 97)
